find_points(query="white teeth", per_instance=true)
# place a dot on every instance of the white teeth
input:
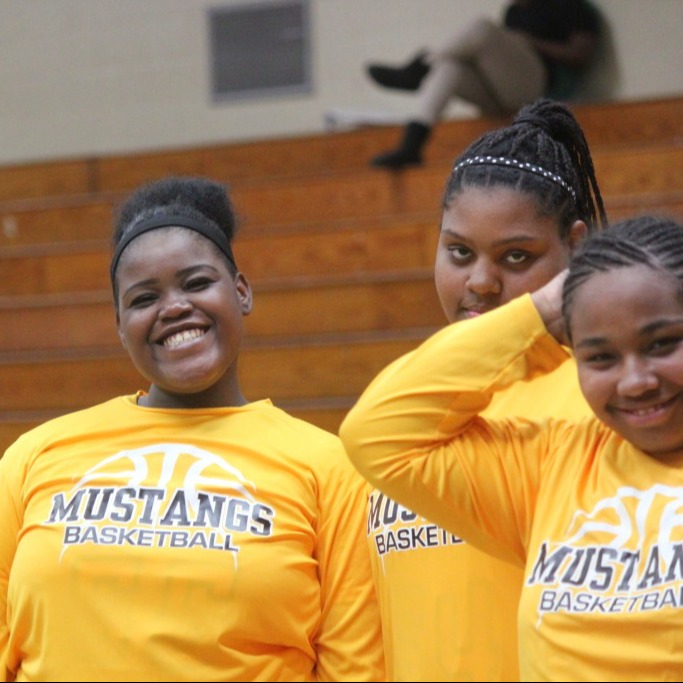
(646, 411)
(182, 337)
(640, 413)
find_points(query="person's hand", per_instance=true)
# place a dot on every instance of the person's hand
(576, 52)
(548, 302)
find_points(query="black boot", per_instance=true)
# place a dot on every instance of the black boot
(409, 152)
(406, 77)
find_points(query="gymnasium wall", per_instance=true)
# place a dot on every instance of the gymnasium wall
(96, 77)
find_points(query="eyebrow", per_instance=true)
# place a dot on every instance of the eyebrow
(590, 341)
(650, 328)
(183, 272)
(507, 240)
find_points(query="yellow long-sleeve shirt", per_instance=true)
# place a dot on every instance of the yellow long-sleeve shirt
(449, 611)
(141, 544)
(594, 521)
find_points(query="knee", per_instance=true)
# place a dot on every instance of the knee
(477, 37)
(484, 30)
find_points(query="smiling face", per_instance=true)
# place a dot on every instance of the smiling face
(493, 247)
(627, 334)
(180, 317)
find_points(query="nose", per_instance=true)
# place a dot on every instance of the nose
(636, 378)
(174, 305)
(484, 278)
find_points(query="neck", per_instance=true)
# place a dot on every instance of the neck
(213, 397)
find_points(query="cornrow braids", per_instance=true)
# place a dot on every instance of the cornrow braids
(543, 153)
(651, 240)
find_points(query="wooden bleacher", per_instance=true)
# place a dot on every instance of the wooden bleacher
(339, 254)
(611, 124)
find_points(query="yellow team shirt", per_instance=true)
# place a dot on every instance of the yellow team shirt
(143, 544)
(595, 522)
(449, 611)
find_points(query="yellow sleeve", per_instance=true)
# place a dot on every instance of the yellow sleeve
(416, 433)
(349, 641)
(10, 524)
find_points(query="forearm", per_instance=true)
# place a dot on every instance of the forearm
(421, 402)
(577, 52)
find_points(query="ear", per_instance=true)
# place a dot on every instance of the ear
(577, 232)
(118, 329)
(244, 295)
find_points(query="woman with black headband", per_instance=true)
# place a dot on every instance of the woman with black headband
(518, 201)
(183, 532)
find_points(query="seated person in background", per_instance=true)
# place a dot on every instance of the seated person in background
(541, 48)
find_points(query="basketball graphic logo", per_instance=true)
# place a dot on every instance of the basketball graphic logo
(169, 495)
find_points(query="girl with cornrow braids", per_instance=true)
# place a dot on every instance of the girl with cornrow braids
(646, 240)
(589, 506)
(518, 201)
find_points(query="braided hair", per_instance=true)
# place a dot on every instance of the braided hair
(650, 240)
(543, 153)
(200, 200)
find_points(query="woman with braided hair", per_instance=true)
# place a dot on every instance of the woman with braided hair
(589, 506)
(517, 202)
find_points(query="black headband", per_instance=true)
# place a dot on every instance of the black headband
(167, 220)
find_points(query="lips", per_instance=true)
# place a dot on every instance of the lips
(474, 311)
(649, 415)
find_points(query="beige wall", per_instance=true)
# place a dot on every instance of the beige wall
(95, 77)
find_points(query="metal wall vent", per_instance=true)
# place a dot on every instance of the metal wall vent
(260, 49)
